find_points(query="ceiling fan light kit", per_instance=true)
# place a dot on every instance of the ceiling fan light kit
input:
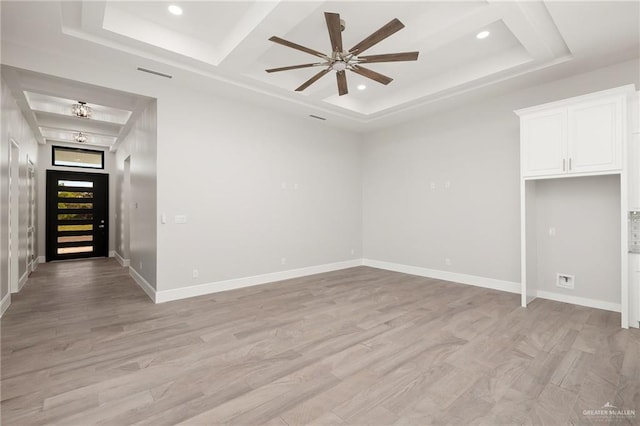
(341, 61)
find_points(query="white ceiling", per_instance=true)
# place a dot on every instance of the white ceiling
(47, 101)
(228, 41)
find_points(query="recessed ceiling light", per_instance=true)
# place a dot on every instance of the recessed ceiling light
(175, 10)
(361, 86)
(482, 34)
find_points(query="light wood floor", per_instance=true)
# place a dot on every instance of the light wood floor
(82, 344)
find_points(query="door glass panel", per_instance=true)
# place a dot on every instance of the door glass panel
(75, 205)
(75, 216)
(72, 194)
(67, 250)
(75, 227)
(75, 238)
(76, 183)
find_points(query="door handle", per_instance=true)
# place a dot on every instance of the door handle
(100, 226)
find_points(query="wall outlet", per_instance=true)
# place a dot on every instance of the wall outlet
(283, 261)
(353, 251)
(432, 185)
(565, 281)
(195, 273)
(447, 261)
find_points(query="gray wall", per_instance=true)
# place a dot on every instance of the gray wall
(585, 213)
(474, 222)
(256, 186)
(13, 125)
(140, 147)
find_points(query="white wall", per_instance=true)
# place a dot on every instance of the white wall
(13, 125)
(45, 163)
(140, 224)
(475, 222)
(585, 212)
(256, 186)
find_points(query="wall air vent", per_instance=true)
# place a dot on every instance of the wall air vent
(317, 117)
(155, 72)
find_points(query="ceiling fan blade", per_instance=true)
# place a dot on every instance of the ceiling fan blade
(390, 57)
(390, 28)
(295, 67)
(335, 32)
(366, 72)
(342, 83)
(313, 79)
(297, 47)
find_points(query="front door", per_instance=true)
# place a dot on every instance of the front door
(77, 215)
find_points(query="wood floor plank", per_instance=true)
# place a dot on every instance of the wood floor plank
(82, 344)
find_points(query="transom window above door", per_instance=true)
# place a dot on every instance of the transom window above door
(77, 157)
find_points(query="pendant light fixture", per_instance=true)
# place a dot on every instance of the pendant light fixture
(81, 109)
(80, 137)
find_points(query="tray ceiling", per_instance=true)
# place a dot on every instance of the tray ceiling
(228, 41)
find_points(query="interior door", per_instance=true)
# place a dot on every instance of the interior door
(77, 215)
(31, 216)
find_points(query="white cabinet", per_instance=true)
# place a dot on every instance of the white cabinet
(633, 153)
(578, 137)
(543, 143)
(573, 137)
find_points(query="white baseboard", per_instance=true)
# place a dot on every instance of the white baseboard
(23, 280)
(492, 283)
(42, 259)
(4, 304)
(121, 260)
(582, 301)
(144, 284)
(215, 287)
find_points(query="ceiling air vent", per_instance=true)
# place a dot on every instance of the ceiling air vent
(317, 117)
(155, 72)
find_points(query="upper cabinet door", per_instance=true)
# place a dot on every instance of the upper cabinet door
(543, 137)
(595, 136)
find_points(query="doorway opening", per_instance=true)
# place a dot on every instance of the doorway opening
(14, 216)
(126, 217)
(77, 215)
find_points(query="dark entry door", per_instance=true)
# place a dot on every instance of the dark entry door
(77, 215)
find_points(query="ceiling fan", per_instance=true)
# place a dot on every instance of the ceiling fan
(340, 60)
